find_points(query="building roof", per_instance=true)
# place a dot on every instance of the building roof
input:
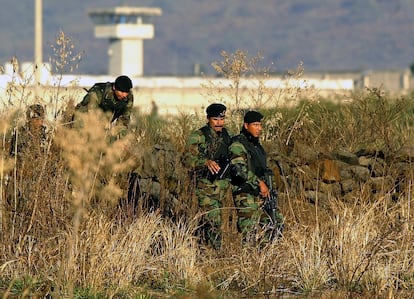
(127, 10)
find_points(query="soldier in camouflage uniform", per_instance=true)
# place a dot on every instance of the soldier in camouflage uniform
(30, 138)
(207, 155)
(249, 168)
(28, 148)
(114, 98)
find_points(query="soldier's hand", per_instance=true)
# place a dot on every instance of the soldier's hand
(212, 166)
(264, 190)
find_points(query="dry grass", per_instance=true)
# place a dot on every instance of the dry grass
(64, 231)
(72, 233)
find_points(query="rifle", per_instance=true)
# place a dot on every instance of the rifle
(270, 208)
(222, 174)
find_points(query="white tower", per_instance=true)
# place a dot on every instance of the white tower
(126, 28)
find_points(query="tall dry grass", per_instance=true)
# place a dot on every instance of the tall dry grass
(65, 233)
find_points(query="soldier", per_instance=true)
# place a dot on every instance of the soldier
(115, 98)
(249, 169)
(30, 138)
(207, 155)
(28, 149)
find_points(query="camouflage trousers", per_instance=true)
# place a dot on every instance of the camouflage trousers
(211, 196)
(253, 222)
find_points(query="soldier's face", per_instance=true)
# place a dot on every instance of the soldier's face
(36, 122)
(216, 123)
(254, 128)
(120, 95)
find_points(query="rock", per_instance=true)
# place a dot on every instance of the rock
(330, 171)
(305, 153)
(347, 157)
(405, 153)
(382, 184)
(359, 173)
(333, 189)
(348, 185)
(318, 198)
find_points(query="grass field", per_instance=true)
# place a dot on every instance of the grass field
(67, 230)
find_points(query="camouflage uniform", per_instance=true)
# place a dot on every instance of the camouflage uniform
(206, 144)
(28, 140)
(28, 147)
(102, 96)
(249, 166)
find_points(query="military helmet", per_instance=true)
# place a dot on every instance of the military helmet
(35, 111)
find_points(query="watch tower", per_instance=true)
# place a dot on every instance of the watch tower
(125, 28)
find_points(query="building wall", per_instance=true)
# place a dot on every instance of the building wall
(389, 80)
(174, 95)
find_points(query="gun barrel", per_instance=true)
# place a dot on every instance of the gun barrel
(223, 173)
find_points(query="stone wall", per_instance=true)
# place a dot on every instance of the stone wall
(366, 175)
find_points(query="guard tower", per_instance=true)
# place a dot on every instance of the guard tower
(126, 28)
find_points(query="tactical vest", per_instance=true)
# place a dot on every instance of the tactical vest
(256, 155)
(217, 148)
(98, 88)
(106, 104)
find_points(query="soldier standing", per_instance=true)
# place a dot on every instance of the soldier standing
(249, 169)
(207, 155)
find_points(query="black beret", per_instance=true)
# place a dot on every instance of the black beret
(216, 110)
(123, 83)
(252, 117)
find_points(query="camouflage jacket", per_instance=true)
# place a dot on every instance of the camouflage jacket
(248, 162)
(101, 95)
(206, 144)
(28, 142)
